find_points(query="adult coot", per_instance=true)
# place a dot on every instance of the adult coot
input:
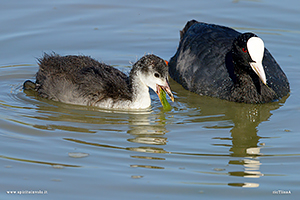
(85, 81)
(220, 62)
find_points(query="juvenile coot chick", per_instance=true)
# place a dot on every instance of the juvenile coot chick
(220, 62)
(85, 81)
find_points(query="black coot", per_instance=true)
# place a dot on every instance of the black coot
(85, 81)
(220, 62)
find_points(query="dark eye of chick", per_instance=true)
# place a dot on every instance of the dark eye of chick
(156, 75)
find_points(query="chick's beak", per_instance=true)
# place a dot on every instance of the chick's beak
(166, 88)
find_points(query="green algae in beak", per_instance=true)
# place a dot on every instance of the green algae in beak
(163, 99)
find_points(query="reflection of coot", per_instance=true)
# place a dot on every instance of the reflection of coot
(220, 62)
(241, 120)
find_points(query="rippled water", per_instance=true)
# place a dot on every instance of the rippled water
(202, 148)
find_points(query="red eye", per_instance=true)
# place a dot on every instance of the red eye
(244, 50)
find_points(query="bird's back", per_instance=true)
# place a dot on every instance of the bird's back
(199, 63)
(79, 80)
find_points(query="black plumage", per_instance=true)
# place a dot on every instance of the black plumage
(62, 77)
(207, 62)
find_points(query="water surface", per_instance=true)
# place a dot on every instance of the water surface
(202, 148)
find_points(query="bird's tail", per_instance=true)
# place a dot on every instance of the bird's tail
(29, 85)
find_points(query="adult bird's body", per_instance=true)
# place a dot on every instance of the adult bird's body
(85, 81)
(220, 62)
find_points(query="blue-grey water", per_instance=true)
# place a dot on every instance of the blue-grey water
(203, 148)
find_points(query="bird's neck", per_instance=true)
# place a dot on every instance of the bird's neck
(140, 92)
(246, 79)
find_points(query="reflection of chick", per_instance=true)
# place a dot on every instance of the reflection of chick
(149, 140)
(147, 131)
